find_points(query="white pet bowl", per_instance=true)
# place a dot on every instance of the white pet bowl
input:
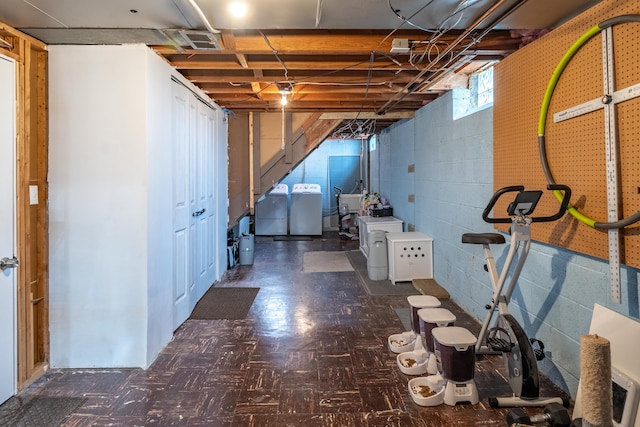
(399, 343)
(420, 384)
(413, 362)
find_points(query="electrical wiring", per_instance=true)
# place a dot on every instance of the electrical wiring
(404, 20)
(432, 48)
(366, 93)
(371, 61)
(275, 52)
(416, 59)
(462, 37)
(355, 129)
(369, 75)
(408, 20)
(426, 53)
(459, 8)
(302, 80)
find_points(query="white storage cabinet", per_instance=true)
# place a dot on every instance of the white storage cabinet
(370, 223)
(410, 256)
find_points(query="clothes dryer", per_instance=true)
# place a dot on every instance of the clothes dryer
(305, 210)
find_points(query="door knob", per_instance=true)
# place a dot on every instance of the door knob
(6, 263)
(198, 213)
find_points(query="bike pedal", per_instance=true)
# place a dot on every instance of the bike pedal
(499, 344)
(538, 348)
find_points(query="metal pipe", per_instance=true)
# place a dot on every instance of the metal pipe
(204, 19)
(319, 12)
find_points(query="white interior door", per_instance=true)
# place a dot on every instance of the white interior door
(182, 203)
(8, 281)
(194, 228)
(204, 244)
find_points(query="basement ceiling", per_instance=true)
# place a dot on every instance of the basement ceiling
(370, 61)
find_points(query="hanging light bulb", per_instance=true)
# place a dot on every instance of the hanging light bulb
(284, 91)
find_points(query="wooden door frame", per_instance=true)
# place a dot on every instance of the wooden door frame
(31, 215)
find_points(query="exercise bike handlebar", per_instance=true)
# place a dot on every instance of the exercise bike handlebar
(566, 196)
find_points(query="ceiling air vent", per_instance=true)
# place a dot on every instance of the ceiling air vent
(202, 40)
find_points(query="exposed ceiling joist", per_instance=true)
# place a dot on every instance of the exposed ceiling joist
(334, 56)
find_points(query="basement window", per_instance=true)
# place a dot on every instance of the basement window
(485, 88)
(478, 97)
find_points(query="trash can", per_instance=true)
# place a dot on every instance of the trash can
(246, 249)
(377, 266)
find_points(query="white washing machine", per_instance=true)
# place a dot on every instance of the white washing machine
(305, 210)
(271, 212)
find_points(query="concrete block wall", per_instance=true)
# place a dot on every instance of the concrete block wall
(397, 184)
(453, 182)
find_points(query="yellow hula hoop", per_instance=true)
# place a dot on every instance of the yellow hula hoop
(544, 110)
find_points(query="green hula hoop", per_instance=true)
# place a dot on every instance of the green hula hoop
(544, 110)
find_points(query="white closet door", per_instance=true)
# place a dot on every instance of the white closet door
(183, 107)
(7, 229)
(205, 240)
(194, 227)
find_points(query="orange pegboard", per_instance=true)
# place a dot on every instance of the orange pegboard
(576, 147)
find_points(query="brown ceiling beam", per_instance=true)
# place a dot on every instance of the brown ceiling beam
(336, 43)
(316, 42)
(404, 77)
(355, 55)
(229, 43)
(223, 97)
(418, 97)
(350, 115)
(173, 53)
(304, 99)
(273, 90)
(315, 107)
(291, 65)
(255, 87)
(329, 44)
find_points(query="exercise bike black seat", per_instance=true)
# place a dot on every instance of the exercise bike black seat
(483, 238)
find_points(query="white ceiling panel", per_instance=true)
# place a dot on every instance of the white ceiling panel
(92, 14)
(280, 14)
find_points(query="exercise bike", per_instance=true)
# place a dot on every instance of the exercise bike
(505, 335)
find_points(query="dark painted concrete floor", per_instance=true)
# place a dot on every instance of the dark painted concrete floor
(311, 352)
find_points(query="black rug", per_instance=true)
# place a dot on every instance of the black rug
(224, 303)
(377, 287)
(291, 238)
(35, 411)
